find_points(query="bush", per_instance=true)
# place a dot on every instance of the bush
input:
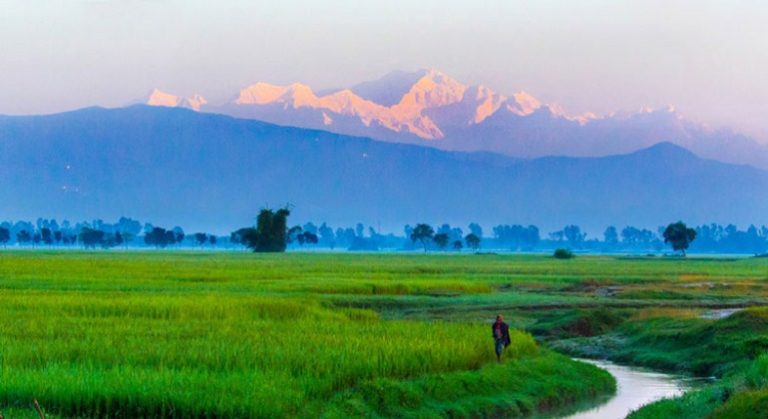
(563, 254)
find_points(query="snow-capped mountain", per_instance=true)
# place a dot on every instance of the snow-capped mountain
(159, 98)
(429, 107)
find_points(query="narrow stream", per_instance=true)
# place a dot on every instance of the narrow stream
(635, 387)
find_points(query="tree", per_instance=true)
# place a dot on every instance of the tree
(294, 234)
(270, 234)
(91, 237)
(237, 237)
(158, 237)
(128, 227)
(201, 238)
(308, 237)
(118, 239)
(563, 254)
(5, 236)
(422, 233)
(635, 237)
(453, 233)
(611, 236)
(327, 236)
(475, 229)
(212, 240)
(310, 227)
(574, 235)
(170, 237)
(457, 245)
(23, 237)
(473, 241)
(47, 235)
(441, 240)
(177, 235)
(679, 236)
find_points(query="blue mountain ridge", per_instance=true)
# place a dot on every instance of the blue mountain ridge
(213, 172)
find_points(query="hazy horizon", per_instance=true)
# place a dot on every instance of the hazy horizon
(596, 56)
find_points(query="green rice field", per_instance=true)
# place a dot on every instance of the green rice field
(208, 334)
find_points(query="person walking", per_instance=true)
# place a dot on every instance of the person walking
(500, 336)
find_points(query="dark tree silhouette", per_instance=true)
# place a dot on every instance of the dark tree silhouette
(611, 236)
(90, 237)
(307, 238)
(178, 235)
(201, 238)
(5, 236)
(23, 237)
(473, 241)
(422, 233)
(295, 234)
(47, 235)
(270, 234)
(170, 238)
(118, 239)
(158, 237)
(475, 229)
(311, 238)
(441, 240)
(679, 236)
(238, 236)
(457, 245)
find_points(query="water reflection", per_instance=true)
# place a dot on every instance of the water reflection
(635, 388)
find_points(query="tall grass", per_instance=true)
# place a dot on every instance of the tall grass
(84, 353)
(186, 335)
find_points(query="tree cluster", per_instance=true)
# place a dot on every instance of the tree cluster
(91, 235)
(270, 234)
(426, 236)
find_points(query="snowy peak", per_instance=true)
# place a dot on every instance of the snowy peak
(524, 104)
(433, 90)
(195, 102)
(427, 104)
(259, 94)
(159, 98)
(485, 102)
(295, 95)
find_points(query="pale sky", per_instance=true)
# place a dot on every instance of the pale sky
(708, 58)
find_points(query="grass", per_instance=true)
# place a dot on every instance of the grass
(733, 349)
(241, 335)
(186, 334)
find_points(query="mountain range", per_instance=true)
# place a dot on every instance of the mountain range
(428, 107)
(213, 172)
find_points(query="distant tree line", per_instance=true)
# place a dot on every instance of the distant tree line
(126, 232)
(276, 234)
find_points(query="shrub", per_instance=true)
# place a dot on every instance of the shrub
(563, 254)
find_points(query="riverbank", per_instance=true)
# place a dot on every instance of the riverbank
(694, 342)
